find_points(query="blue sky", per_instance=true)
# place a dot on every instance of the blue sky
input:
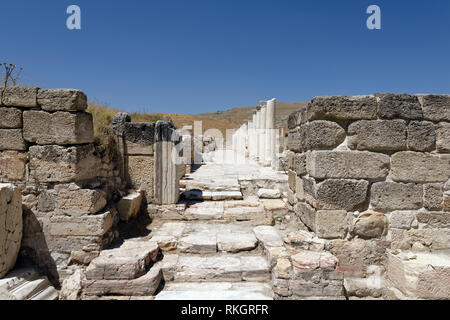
(198, 56)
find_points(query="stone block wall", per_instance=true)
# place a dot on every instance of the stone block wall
(370, 174)
(68, 183)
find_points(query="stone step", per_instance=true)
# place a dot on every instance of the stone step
(129, 261)
(227, 267)
(216, 291)
(212, 195)
(212, 185)
(26, 284)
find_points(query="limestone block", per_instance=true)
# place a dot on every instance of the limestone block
(25, 97)
(421, 136)
(294, 142)
(342, 108)
(446, 202)
(396, 196)
(62, 100)
(10, 118)
(12, 139)
(435, 239)
(58, 128)
(71, 200)
(370, 224)
(276, 207)
(92, 225)
(420, 167)
(378, 135)
(348, 165)
(331, 224)
(140, 169)
(404, 106)
(422, 275)
(236, 242)
(299, 189)
(290, 155)
(269, 194)
(297, 118)
(291, 179)
(403, 220)
(129, 261)
(333, 194)
(71, 287)
(443, 137)
(12, 166)
(433, 196)
(130, 206)
(201, 243)
(146, 285)
(142, 134)
(60, 164)
(321, 134)
(300, 164)
(436, 107)
(11, 226)
(306, 214)
(310, 260)
(434, 220)
(268, 236)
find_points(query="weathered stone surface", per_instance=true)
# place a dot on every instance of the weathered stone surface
(269, 194)
(420, 167)
(299, 189)
(435, 239)
(342, 108)
(60, 164)
(370, 224)
(396, 196)
(71, 287)
(378, 135)
(268, 236)
(362, 287)
(138, 174)
(146, 285)
(348, 165)
(25, 97)
(11, 226)
(118, 122)
(446, 202)
(297, 118)
(333, 194)
(205, 242)
(306, 214)
(130, 206)
(402, 106)
(426, 276)
(436, 107)
(331, 224)
(421, 136)
(443, 137)
(62, 100)
(432, 220)
(127, 262)
(403, 220)
(12, 139)
(433, 196)
(205, 211)
(142, 134)
(292, 179)
(71, 200)
(275, 207)
(93, 225)
(236, 242)
(310, 260)
(300, 164)
(10, 118)
(58, 128)
(12, 166)
(26, 284)
(294, 142)
(321, 134)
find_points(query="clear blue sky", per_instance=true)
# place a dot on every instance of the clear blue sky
(193, 56)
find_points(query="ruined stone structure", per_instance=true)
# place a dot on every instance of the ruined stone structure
(370, 174)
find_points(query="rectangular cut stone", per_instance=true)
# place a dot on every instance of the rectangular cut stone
(62, 100)
(300, 164)
(306, 214)
(93, 225)
(402, 220)
(433, 196)
(421, 136)
(342, 108)
(12, 139)
(58, 128)
(294, 142)
(378, 135)
(396, 196)
(404, 106)
(10, 118)
(435, 107)
(443, 137)
(334, 194)
(434, 220)
(60, 164)
(71, 200)
(320, 134)
(140, 175)
(420, 167)
(347, 165)
(435, 239)
(331, 224)
(291, 178)
(25, 97)
(12, 166)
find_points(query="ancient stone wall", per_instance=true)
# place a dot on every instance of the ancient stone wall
(69, 184)
(370, 174)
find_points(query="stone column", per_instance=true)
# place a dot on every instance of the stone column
(270, 132)
(262, 134)
(166, 182)
(253, 139)
(257, 131)
(250, 138)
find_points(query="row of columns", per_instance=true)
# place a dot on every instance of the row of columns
(257, 138)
